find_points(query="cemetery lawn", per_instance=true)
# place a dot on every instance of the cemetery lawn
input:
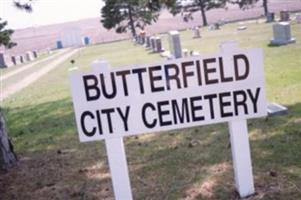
(186, 164)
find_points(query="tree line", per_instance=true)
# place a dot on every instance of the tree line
(132, 14)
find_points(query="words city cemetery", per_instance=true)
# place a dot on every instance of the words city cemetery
(178, 78)
(171, 83)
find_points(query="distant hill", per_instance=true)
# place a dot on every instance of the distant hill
(45, 37)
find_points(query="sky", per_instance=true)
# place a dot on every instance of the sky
(49, 12)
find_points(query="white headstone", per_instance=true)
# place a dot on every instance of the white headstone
(196, 33)
(298, 18)
(71, 37)
(29, 56)
(18, 60)
(185, 52)
(5, 60)
(175, 44)
(282, 34)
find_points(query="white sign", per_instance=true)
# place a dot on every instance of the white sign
(180, 93)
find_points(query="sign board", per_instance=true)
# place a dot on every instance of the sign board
(173, 94)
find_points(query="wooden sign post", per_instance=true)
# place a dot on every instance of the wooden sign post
(111, 103)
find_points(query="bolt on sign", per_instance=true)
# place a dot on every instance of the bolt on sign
(116, 102)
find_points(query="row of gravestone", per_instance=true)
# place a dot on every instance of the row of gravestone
(284, 17)
(7, 60)
(154, 44)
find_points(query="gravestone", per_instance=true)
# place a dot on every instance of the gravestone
(21, 58)
(270, 17)
(241, 28)
(194, 53)
(282, 34)
(142, 39)
(175, 44)
(147, 42)
(71, 37)
(158, 45)
(166, 54)
(153, 43)
(59, 44)
(196, 33)
(284, 16)
(137, 39)
(29, 56)
(298, 18)
(215, 26)
(35, 54)
(185, 53)
(86, 40)
(18, 60)
(276, 109)
(5, 60)
(14, 60)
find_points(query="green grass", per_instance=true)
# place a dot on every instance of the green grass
(40, 120)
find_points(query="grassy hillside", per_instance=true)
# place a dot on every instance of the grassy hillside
(185, 164)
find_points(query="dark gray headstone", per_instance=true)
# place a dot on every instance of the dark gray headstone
(147, 42)
(142, 39)
(270, 17)
(22, 60)
(35, 54)
(284, 16)
(14, 60)
(153, 43)
(86, 40)
(158, 45)
(59, 44)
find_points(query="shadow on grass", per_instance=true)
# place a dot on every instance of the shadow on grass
(186, 164)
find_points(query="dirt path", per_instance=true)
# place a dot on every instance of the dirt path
(28, 66)
(35, 75)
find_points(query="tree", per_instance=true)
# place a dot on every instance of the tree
(27, 6)
(265, 7)
(196, 5)
(8, 157)
(247, 3)
(129, 14)
(5, 35)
